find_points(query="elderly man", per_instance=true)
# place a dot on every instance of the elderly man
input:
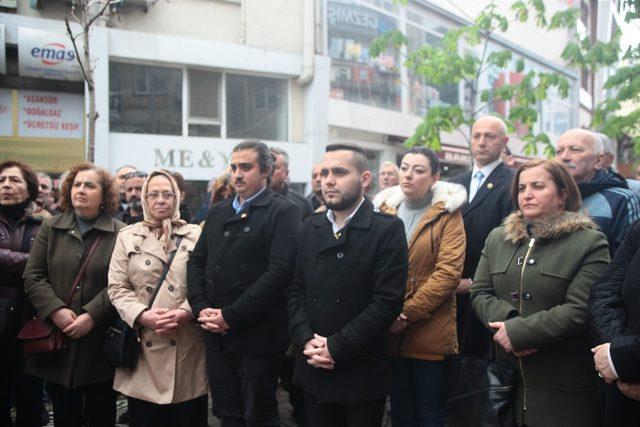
(605, 196)
(45, 198)
(280, 182)
(388, 175)
(315, 197)
(488, 185)
(121, 172)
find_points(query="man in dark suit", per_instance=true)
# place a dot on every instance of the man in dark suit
(348, 288)
(237, 278)
(488, 185)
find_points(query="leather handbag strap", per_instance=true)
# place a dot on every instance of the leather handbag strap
(82, 270)
(164, 272)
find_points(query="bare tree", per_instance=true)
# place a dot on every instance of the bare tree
(86, 13)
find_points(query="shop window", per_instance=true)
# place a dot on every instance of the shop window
(204, 103)
(423, 93)
(145, 99)
(355, 76)
(256, 108)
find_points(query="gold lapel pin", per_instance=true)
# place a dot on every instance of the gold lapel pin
(244, 215)
(489, 186)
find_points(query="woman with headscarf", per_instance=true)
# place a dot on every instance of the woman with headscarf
(168, 385)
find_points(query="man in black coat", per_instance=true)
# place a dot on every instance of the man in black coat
(488, 185)
(349, 286)
(237, 278)
(280, 182)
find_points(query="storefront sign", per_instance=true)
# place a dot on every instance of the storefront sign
(47, 55)
(50, 115)
(6, 112)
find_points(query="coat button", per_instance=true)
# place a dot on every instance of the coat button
(147, 262)
(184, 248)
(79, 256)
(527, 296)
(137, 248)
(218, 268)
(338, 300)
(148, 344)
(173, 343)
(171, 288)
(247, 229)
(243, 267)
(340, 255)
(77, 288)
(149, 289)
(315, 300)
(226, 233)
(210, 282)
(532, 261)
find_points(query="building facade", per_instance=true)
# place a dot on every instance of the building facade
(178, 84)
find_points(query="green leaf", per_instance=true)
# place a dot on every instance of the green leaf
(520, 65)
(520, 10)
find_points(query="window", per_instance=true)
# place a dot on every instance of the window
(256, 108)
(354, 75)
(425, 94)
(148, 99)
(204, 103)
(145, 99)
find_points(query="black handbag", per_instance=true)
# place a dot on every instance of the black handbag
(122, 342)
(479, 392)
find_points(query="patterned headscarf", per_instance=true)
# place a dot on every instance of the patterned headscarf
(165, 227)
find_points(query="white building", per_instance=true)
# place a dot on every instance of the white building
(179, 83)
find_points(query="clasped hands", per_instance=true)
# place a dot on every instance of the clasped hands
(211, 320)
(72, 325)
(601, 360)
(317, 352)
(502, 339)
(164, 321)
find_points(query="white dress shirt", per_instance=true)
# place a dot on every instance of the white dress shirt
(332, 220)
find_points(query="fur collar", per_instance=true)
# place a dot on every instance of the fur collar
(451, 195)
(552, 227)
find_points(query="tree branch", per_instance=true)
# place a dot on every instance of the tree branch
(99, 14)
(75, 48)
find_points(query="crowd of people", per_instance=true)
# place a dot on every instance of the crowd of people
(345, 297)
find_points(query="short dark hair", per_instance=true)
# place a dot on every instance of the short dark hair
(560, 176)
(359, 156)
(30, 177)
(110, 196)
(434, 162)
(265, 159)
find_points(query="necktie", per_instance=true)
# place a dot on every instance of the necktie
(476, 182)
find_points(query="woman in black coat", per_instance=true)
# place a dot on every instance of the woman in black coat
(19, 224)
(615, 309)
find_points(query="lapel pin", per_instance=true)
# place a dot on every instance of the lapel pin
(489, 186)
(244, 215)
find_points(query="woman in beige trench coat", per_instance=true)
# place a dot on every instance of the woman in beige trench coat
(168, 385)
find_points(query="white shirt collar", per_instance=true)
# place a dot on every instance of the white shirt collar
(332, 220)
(486, 169)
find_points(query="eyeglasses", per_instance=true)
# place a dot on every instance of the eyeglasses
(165, 196)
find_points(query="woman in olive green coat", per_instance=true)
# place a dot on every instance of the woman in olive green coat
(532, 286)
(79, 379)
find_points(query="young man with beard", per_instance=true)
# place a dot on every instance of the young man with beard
(237, 277)
(133, 183)
(348, 288)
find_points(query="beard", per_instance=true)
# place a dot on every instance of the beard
(135, 204)
(348, 199)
